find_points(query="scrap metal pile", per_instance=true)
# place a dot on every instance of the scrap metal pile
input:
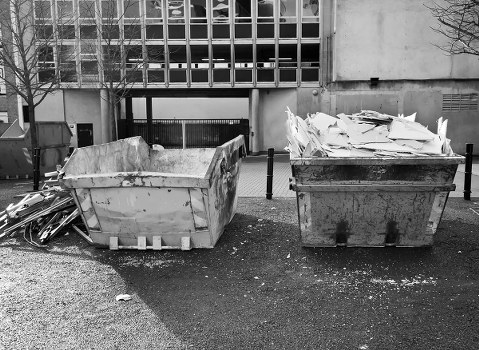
(364, 134)
(41, 216)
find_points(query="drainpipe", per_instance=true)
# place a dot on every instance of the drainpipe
(255, 121)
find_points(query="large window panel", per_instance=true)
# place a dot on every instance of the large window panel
(46, 63)
(176, 11)
(265, 57)
(176, 19)
(198, 20)
(310, 62)
(310, 19)
(154, 32)
(288, 19)
(131, 9)
(243, 63)
(111, 62)
(44, 31)
(65, 9)
(221, 63)
(221, 17)
(132, 31)
(89, 71)
(265, 10)
(67, 63)
(156, 63)
(154, 9)
(43, 9)
(178, 63)
(88, 32)
(110, 32)
(109, 9)
(199, 63)
(66, 31)
(87, 8)
(288, 62)
(243, 19)
(134, 63)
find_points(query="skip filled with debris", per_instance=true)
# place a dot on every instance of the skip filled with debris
(364, 134)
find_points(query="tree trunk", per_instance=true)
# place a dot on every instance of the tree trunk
(34, 144)
(112, 114)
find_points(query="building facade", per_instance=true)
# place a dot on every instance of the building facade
(251, 60)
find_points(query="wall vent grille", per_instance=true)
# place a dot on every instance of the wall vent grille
(459, 102)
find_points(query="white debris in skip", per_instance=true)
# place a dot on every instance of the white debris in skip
(364, 134)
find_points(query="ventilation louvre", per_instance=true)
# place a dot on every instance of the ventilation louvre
(459, 102)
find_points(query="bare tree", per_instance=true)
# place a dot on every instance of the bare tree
(459, 23)
(30, 48)
(118, 54)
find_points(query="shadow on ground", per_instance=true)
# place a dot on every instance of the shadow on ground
(259, 289)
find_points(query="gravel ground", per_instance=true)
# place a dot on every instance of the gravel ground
(257, 289)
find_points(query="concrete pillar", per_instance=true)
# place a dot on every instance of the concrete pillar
(105, 117)
(254, 103)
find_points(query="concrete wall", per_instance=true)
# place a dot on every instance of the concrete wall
(406, 97)
(392, 39)
(83, 106)
(52, 108)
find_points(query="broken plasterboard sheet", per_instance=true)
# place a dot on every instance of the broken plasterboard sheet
(405, 130)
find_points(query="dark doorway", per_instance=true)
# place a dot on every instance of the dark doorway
(85, 134)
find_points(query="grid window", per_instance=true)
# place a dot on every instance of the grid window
(243, 63)
(46, 63)
(265, 57)
(43, 9)
(131, 9)
(310, 19)
(221, 63)
(89, 70)
(243, 19)
(154, 8)
(134, 63)
(288, 19)
(178, 65)
(310, 62)
(109, 9)
(156, 63)
(265, 10)
(88, 32)
(109, 32)
(288, 63)
(132, 31)
(67, 63)
(199, 63)
(44, 31)
(220, 14)
(87, 8)
(198, 20)
(111, 65)
(65, 9)
(154, 32)
(66, 31)
(176, 11)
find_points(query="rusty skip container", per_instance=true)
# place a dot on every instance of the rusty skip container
(16, 153)
(372, 201)
(131, 196)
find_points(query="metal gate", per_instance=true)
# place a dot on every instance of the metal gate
(186, 133)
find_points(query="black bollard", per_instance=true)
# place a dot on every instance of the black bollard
(36, 168)
(468, 171)
(269, 175)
